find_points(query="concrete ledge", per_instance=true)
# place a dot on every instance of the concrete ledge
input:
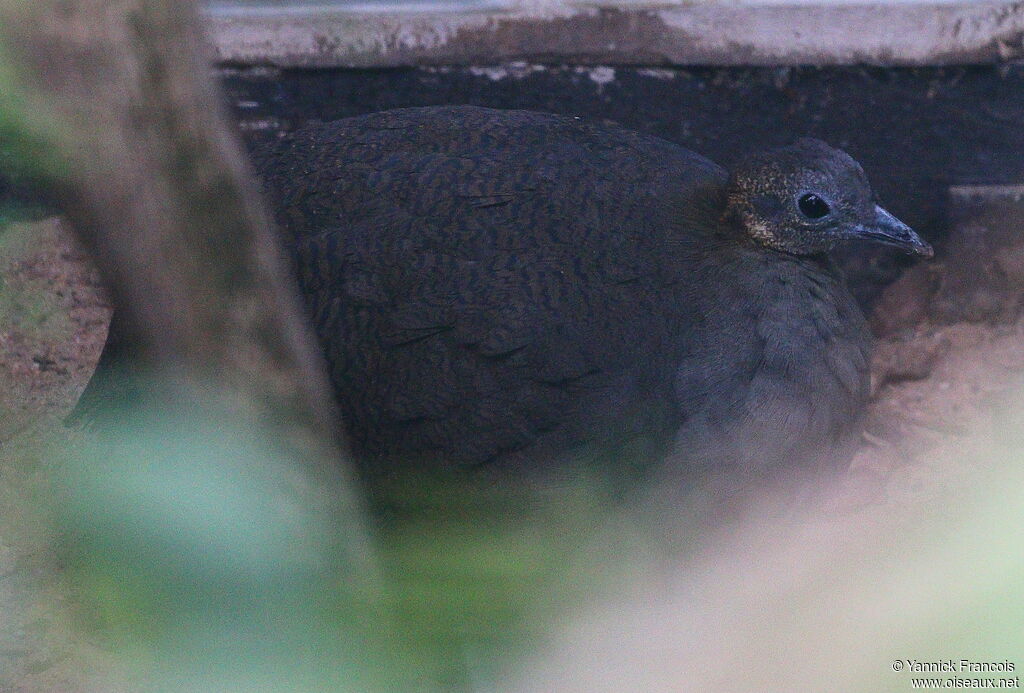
(749, 32)
(963, 194)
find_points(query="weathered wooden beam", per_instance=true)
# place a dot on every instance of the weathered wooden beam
(749, 32)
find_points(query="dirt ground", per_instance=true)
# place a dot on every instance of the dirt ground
(936, 386)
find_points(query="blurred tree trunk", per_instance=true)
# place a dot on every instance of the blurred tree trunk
(113, 101)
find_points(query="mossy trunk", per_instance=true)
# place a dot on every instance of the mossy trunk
(111, 103)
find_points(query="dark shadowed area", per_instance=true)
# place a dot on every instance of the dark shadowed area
(915, 131)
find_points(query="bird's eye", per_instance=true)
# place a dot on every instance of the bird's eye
(813, 207)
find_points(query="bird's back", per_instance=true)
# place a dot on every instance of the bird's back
(485, 282)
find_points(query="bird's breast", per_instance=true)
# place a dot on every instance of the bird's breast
(775, 370)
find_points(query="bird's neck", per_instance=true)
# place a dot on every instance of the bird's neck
(733, 232)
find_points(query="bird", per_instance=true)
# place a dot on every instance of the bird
(500, 287)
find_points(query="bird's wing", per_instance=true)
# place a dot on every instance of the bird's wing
(479, 279)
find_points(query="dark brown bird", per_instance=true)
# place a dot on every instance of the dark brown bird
(500, 286)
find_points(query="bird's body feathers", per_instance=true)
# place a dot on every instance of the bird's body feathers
(490, 284)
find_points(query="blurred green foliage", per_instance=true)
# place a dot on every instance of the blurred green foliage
(193, 554)
(35, 147)
(35, 143)
(196, 561)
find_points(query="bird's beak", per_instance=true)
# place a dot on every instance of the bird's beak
(889, 230)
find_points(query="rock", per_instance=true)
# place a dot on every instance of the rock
(984, 274)
(896, 360)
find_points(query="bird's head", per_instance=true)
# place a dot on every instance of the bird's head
(806, 198)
